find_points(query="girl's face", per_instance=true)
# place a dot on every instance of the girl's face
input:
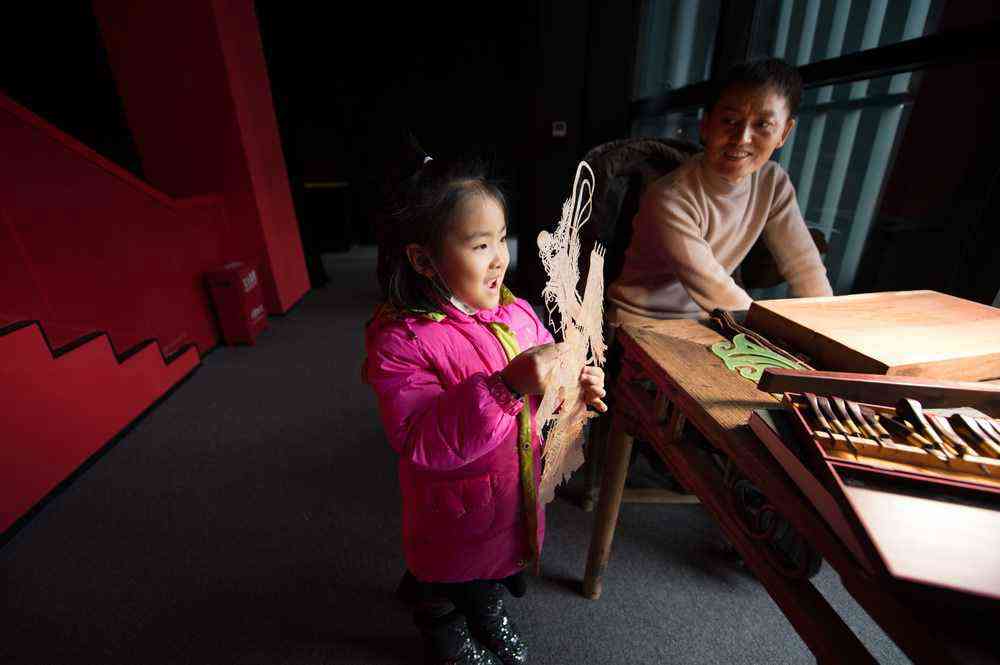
(473, 256)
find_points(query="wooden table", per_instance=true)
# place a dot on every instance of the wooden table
(670, 376)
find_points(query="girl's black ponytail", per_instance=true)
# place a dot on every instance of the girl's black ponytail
(400, 180)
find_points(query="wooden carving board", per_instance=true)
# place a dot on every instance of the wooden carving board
(904, 333)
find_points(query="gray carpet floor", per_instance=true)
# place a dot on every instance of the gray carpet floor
(253, 518)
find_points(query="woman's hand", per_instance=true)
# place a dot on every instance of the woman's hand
(528, 372)
(592, 387)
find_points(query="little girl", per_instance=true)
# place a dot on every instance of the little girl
(458, 365)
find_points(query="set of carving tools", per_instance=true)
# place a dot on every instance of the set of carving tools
(959, 441)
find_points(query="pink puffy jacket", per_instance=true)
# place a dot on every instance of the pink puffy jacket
(454, 425)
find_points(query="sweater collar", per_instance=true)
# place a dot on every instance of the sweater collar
(716, 184)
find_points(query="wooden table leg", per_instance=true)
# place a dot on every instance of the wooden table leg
(617, 455)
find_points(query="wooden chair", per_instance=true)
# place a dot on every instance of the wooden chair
(622, 169)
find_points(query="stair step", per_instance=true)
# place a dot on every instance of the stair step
(70, 402)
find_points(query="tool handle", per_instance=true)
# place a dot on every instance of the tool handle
(968, 428)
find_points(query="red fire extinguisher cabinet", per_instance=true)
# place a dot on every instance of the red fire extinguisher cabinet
(236, 295)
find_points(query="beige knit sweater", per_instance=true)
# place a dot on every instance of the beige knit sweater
(692, 231)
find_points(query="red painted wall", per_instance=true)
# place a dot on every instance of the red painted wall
(251, 90)
(68, 408)
(86, 246)
(192, 78)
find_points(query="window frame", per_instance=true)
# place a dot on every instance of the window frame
(737, 21)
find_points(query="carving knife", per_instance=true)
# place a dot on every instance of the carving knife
(964, 449)
(862, 421)
(899, 429)
(817, 414)
(989, 428)
(911, 411)
(845, 416)
(873, 420)
(824, 406)
(821, 416)
(946, 430)
(968, 428)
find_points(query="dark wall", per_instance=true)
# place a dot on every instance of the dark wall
(59, 70)
(581, 67)
(556, 64)
(347, 86)
(85, 246)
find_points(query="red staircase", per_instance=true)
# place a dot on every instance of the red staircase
(61, 406)
(87, 246)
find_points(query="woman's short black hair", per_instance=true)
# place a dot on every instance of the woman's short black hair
(420, 211)
(774, 73)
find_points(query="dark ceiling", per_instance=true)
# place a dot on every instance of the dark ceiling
(346, 83)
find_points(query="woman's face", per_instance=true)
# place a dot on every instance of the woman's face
(743, 130)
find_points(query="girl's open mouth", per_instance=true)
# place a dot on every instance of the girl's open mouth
(493, 284)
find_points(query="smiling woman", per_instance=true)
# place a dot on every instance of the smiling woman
(697, 224)
(750, 118)
(878, 78)
(743, 130)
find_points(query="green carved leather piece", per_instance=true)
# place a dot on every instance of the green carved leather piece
(749, 359)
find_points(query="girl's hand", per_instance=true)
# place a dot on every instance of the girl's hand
(529, 371)
(592, 387)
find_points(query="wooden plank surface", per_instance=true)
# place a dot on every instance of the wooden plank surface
(882, 389)
(933, 542)
(908, 333)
